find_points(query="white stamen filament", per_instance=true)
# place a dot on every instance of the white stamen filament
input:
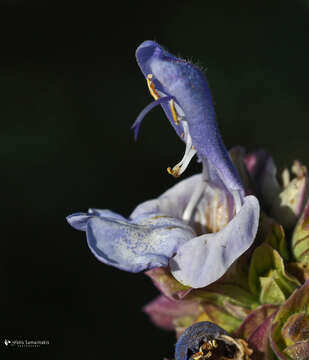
(213, 214)
(194, 200)
(237, 200)
(179, 168)
(201, 218)
(208, 209)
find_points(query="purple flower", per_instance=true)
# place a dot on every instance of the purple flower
(204, 340)
(201, 225)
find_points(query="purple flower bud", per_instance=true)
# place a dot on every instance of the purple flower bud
(204, 340)
(286, 199)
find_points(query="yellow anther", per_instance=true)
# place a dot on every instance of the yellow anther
(173, 111)
(197, 355)
(204, 350)
(152, 88)
(154, 93)
(175, 171)
(213, 343)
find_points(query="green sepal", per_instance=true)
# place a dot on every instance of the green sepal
(167, 284)
(268, 278)
(232, 298)
(219, 294)
(300, 238)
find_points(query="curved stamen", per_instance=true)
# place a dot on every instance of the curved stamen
(146, 110)
(156, 95)
(179, 168)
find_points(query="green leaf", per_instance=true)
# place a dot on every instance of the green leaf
(300, 238)
(268, 278)
(271, 292)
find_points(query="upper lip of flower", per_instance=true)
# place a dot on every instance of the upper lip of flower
(182, 82)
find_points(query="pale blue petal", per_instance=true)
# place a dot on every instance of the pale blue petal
(79, 220)
(172, 202)
(105, 213)
(147, 207)
(145, 244)
(204, 259)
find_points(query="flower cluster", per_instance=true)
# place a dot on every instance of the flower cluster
(228, 248)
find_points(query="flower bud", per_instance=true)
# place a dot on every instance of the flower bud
(206, 340)
(284, 201)
(288, 206)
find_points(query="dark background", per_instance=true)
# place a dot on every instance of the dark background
(69, 91)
